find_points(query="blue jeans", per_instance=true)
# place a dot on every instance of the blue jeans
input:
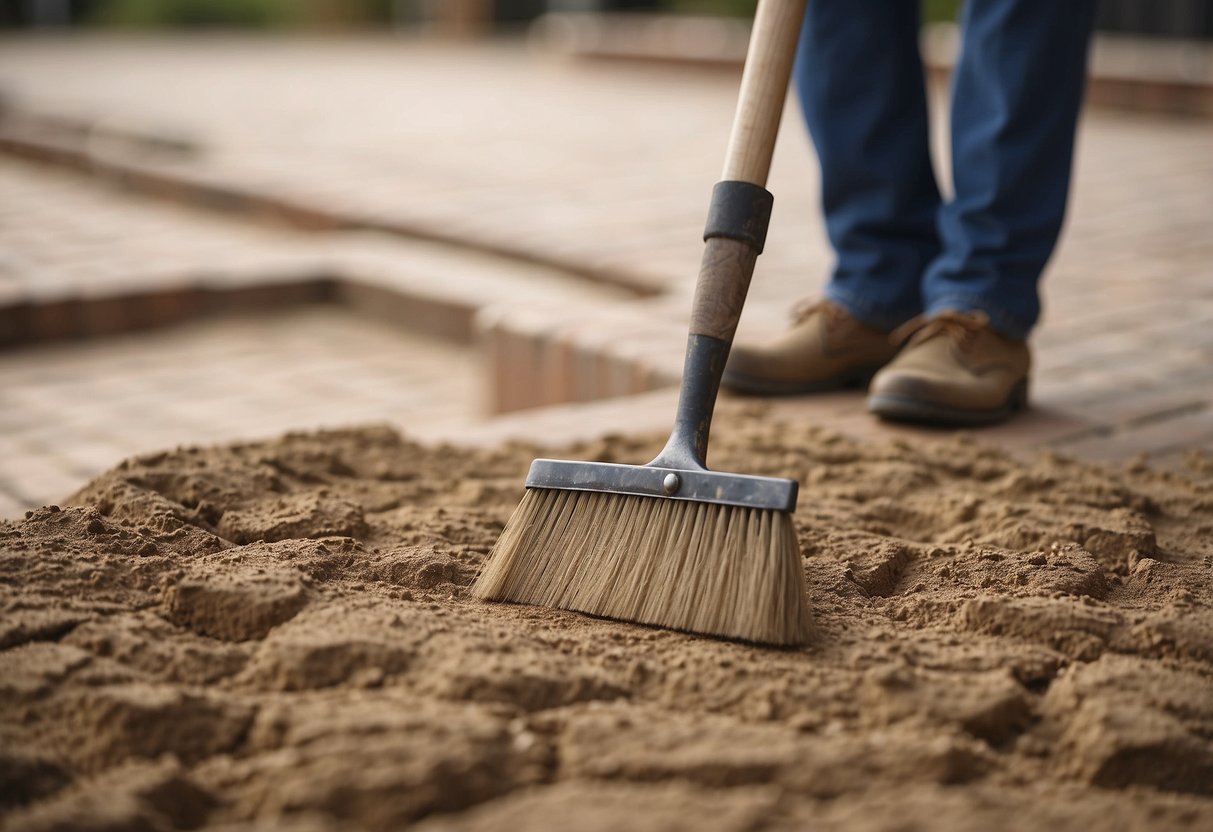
(1016, 92)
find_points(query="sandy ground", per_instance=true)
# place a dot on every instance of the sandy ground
(280, 636)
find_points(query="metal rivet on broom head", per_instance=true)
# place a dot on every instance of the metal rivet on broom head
(671, 543)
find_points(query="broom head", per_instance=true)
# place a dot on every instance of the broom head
(718, 557)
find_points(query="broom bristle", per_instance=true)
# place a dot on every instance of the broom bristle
(707, 568)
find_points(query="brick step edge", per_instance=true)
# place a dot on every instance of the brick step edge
(535, 353)
(538, 355)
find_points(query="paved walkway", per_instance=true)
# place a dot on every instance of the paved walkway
(597, 169)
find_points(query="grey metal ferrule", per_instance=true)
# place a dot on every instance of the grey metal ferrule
(649, 481)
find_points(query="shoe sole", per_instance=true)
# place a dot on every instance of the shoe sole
(905, 409)
(749, 386)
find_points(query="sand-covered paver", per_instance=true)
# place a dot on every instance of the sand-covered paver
(280, 635)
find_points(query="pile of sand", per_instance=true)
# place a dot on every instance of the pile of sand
(279, 635)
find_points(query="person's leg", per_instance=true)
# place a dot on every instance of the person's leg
(860, 80)
(1015, 102)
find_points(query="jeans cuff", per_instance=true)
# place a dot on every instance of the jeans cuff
(876, 315)
(1006, 324)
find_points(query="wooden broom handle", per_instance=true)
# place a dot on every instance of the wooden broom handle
(728, 265)
(764, 86)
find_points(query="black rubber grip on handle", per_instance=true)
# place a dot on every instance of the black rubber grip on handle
(740, 211)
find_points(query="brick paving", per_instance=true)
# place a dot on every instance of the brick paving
(69, 412)
(316, 330)
(543, 172)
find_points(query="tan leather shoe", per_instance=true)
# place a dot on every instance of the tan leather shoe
(824, 349)
(954, 370)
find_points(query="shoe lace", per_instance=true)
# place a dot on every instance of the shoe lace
(962, 327)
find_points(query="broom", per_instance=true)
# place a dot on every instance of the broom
(672, 543)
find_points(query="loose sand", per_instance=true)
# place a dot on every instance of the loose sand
(280, 635)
